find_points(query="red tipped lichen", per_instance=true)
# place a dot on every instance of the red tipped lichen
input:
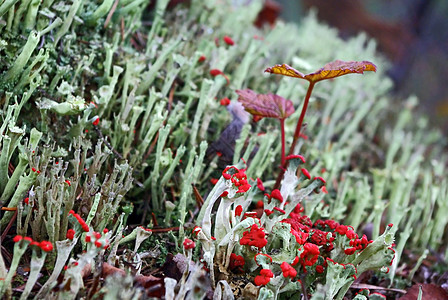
(228, 40)
(188, 244)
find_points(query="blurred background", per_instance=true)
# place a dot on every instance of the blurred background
(412, 34)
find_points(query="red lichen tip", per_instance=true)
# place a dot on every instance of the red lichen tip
(96, 122)
(215, 72)
(279, 210)
(292, 156)
(288, 270)
(68, 182)
(306, 173)
(46, 246)
(276, 195)
(262, 254)
(17, 238)
(321, 179)
(260, 185)
(224, 101)
(228, 40)
(238, 210)
(390, 225)
(264, 277)
(70, 234)
(188, 244)
(202, 58)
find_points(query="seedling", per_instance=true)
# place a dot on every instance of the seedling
(331, 70)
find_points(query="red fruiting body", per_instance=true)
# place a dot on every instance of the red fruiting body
(236, 262)
(215, 72)
(97, 235)
(264, 277)
(260, 204)
(70, 234)
(350, 251)
(351, 234)
(214, 181)
(219, 154)
(238, 210)
(26, 238)
(254, 237)
(98, 244)
(300, 236)
(262, 254)
(250, 214)
(228, 40)
(224, 101)
(88, 238)
(17, 238)
(224, 194)
(83, 224)
(68, 182)
(324, 190)
(105, 230)
(292, 156)
(319, 269)
(196, 230)
(46, 246)
(306, 173)
(279, 210)
(287, 270)
(309, 255)
(188, 244)
(341, 229)
(202, 58)
(296, 261)
(213, 238)
(96, 122)
(390, 225)
(321, 179)
(277, 195)
(260, 185)
(33, 169)
(268, 212)
(26, 200)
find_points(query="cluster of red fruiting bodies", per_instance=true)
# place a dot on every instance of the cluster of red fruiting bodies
(44, 245)
(71, 232)
(313, 239)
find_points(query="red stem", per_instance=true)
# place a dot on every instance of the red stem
(282, 126)
(296, 135)
(302, 116)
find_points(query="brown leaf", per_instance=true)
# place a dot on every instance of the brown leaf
(429, 292)
(267, 106)
(331, 70)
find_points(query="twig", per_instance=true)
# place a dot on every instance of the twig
(9, 224)
(374, 287)
(107, 143)
(111, 12)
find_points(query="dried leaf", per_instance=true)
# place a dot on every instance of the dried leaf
(331, 70)
(430, 292)
(268, 106)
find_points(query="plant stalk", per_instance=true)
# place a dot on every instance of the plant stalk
(296, 135)
(282, 126)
